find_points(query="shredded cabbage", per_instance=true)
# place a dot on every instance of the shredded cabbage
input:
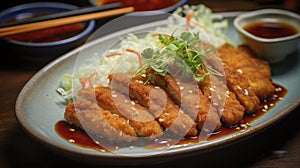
(203, 20)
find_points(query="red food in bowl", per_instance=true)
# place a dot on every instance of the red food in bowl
(141, 5)
(50, 34)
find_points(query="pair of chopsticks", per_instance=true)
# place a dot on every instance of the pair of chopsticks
(63, 18)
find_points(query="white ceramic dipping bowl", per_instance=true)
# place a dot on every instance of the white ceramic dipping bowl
(273, 50)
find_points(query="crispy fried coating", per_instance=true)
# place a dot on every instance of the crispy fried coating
(236, 83)
(191, 99)
(256, 71)
(158, 103)
(138, 117)
(225, 101)
(242, 89)
(99, 122)
(263, 66)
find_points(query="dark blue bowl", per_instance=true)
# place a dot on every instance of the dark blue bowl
(44, 50)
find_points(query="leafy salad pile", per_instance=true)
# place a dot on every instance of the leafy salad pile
(192, 28)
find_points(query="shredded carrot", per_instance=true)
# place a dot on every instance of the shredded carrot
(88, 80)
(189, 18)
(138, 55)
(189, 21)
(113, 55)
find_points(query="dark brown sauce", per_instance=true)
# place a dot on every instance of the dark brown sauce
(78, 137)
(271, 29)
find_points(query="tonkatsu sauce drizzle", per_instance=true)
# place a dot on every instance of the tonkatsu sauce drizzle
(79, 137)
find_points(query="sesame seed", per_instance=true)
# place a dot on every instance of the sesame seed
(219, 96)
(143, 75)
(272, 104)
(132, 102)
(190, 91)
(215, 104)
(227, 93)
(239, 87)
(117, 147)
(161, 120)
(71, 140)
(244, 125)
(266, 107)
(239, 71)
(181, 87)
(140, 81)
(212, 89)
(114, 95)
(278, 89)
(72, 129)
(246, 92)
(132, 108)
(126, 101)
(156, 87)
(280, 98)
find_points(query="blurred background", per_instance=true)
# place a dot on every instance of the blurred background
(216, 5)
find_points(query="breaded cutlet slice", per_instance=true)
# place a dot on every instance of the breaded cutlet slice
(101, 123)
(263, 66)
(256, 72)
(158, 103)
(225, 101)
(236, 82)
(138, 117)
(242, 89)
(191, 99)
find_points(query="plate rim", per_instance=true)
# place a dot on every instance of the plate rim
(179, 151)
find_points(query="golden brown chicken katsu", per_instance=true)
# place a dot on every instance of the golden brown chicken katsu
(150, 104)
(257, 71)
(157, 101)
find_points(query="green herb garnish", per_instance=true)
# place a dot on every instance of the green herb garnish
(185, 53)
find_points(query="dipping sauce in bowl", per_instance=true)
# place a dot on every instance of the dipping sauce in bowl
(272, 33)
(271, 29)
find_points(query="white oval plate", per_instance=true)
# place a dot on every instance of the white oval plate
(39, 108)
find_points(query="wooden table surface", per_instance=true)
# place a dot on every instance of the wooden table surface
(276, 146)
